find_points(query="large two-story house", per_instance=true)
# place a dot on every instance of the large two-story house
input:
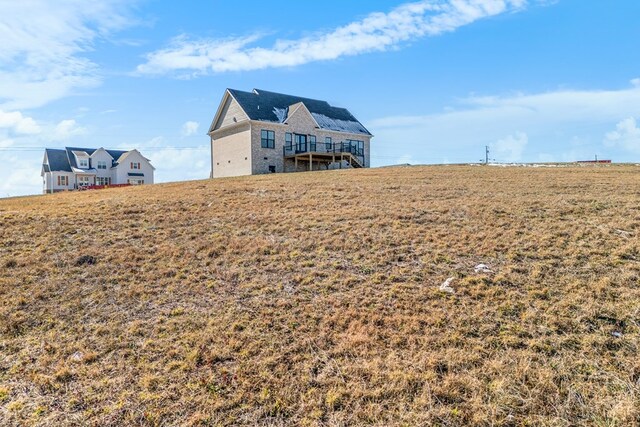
(73, 168)
(266, 132)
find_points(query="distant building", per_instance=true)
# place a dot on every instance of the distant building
(594, 161)
(74, 168)
(262, 132)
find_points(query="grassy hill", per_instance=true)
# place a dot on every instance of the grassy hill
(314, 299)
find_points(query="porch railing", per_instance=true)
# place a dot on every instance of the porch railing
(323, 148)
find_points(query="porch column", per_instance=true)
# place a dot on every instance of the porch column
(310, 162)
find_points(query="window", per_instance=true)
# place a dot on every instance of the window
(355, 147)
(268, 139)
(312, 142)
(301, 143)
(63, 180)
(83, 181)
(83, 163)
(272, 169)
(135, 165)
(328, 144)
(288, 140)
(102, 164)
(135, 181)
(103, 181)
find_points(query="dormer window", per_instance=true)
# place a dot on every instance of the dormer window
(83, 163)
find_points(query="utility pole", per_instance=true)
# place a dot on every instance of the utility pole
(486, 154)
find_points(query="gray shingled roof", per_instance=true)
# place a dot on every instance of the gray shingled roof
(72, 159)
(62, 160)
(268, 106)
(58, 160)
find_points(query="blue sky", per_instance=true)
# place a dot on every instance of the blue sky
(435, 81)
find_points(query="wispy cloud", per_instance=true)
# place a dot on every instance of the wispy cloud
(174, 161)
(44, 46)
(190, 128)
(553, 119)
(511, 148)
(67, 129)
(21, 142)
(626, 135)
(376, 32)
(16, 122)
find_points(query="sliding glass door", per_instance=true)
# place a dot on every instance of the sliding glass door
(300, 142)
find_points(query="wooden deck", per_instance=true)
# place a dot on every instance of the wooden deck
(325, 158)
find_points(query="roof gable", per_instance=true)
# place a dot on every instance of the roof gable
(299, 110)
(58, 160)
(101, 150)
(115, 154)
(134, 152)
(229, 112)
(268, 106)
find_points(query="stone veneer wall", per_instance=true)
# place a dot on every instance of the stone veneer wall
(302, 123)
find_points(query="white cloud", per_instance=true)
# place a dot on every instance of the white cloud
(24, 177)
(549, 109)
(190, 128)
(16, 122)
(626, 136)
(510, 149)
(173, 162)
(5, 143)
(551, 119)
(376, 32)
(67, 129)
(636, 82)
(43, 46)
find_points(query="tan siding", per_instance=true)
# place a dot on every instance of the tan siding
(232, 153)
(231, 114)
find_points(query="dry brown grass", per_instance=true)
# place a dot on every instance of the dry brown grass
(312, 299)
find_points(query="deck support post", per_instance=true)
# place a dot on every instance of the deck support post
(310, 162)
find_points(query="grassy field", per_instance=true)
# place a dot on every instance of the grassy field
(314, 299)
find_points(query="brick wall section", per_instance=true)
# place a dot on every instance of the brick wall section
(300, 122)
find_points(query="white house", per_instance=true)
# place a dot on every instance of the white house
(266, 132)
(73, 168)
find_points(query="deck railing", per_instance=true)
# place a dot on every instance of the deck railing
(323, 148)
